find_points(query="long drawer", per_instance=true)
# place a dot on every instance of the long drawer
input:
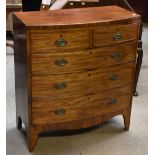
(42, 41)
(78, 84)
(113, 35)
(48, 111)
(58, 63)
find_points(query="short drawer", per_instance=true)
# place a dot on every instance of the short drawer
(59, 40)
(113, 35)
(48, 111)
(59, 63)
(83, 83)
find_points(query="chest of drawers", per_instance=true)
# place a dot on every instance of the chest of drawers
(73, 68)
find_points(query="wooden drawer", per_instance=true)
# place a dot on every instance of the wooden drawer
(59, 110)
(58, 63)
(59, 40)
(77, 84)
(107, 36)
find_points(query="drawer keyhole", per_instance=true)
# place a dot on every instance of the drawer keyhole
(89, 74)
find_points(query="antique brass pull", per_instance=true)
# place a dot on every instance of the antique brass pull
(112, 101)
(60, 86)
(116, 55)
(114, 77)
(117, 36)
(59, 112)
(60, 42)
(61, 62)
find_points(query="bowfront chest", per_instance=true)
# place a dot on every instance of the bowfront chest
(74, 68)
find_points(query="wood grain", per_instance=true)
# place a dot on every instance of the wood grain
(80, 107)
(44, 63)
(79, 17)
(83, 83)
(92, 86)
(104, 36)
(43, 41)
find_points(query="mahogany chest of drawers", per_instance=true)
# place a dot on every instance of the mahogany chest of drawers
(74, 68)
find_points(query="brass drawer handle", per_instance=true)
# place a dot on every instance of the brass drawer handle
(112, 101)
(60, 42)
(59, 112)
(116, 55)
(117, 36)
(114, 77)
(60, 86)
(61, 62)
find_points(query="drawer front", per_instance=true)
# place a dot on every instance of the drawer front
(106, 36)
(58, 63)
(60, 40)
(78, 84)
(68, 109)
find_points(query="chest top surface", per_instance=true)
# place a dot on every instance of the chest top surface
(80, 16)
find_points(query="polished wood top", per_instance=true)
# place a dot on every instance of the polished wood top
(79, 16)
